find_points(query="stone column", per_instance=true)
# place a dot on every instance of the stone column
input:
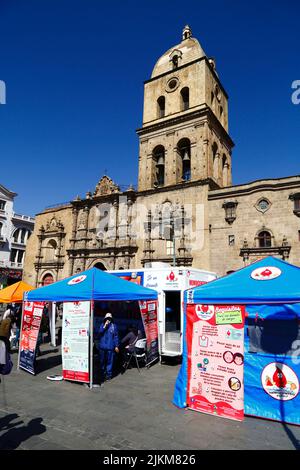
(194, 161)
(129, 221)
(170, 159)
(143, 183)
(147, 246)
(115, 221)
(40, 239)
(216, 169)
(73, 237)
(206, 152)
(198, 160)
(82, 231)
(225, 174)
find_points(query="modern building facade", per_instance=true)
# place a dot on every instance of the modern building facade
(185, 210)
(15, 230)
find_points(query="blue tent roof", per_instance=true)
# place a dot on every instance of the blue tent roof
(92, 284)
(248, 286)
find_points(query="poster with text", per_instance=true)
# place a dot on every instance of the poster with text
(215, 338)
(149, 316)
(75, 341)
(32, 316)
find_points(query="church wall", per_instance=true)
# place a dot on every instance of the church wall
(192, 76)
(279, 220)
(32, 249)
(219, 99)
(194, 200)
(194, 130)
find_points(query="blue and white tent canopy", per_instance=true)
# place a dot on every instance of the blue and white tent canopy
(268, 281)
(92, 284)
(270, 290)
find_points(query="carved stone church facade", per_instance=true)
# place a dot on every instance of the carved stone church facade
(185, 210)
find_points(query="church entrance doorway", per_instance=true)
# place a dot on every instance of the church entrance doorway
(100, 266)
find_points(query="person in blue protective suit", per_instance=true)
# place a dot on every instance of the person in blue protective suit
(108, 346)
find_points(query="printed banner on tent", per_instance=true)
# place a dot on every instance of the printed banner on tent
(136, 278)
(272, 362)
(215, 338)
(149, 316)
(272, 388)
(75, 341)
(32, 316)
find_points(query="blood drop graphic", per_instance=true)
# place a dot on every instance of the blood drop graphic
(266, 273)
(279, 378)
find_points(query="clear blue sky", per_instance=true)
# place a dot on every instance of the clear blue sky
(74, 71)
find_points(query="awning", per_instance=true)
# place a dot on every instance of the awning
(92, 284)
(14, 293)
(268, 281)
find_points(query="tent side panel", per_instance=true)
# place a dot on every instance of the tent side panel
(181, 384)
(263, 396)
(272, 365)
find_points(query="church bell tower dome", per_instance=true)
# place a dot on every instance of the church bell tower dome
(184, 135)
(187, 51)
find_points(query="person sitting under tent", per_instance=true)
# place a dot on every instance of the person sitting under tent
(127, 343)
(108, 346)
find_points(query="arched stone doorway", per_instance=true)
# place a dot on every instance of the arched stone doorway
(47, 279)
(100, 265)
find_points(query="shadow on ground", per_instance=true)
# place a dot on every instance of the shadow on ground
(15, 434)
(49, 361)
(171, 361)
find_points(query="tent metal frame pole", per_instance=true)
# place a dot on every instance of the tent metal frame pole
(91, 342)
(53, 325)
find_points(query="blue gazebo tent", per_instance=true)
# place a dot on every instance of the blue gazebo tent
(96, 285)
(92, 284)
(270, 291)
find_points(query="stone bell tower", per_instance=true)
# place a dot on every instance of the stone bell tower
(184, 137)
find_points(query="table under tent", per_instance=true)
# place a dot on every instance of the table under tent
(80, 294)
(268, 292)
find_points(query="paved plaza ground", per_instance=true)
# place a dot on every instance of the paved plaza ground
(132, 411)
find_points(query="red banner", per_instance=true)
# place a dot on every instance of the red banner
(215, 339)
(32, 316)
(149, 316)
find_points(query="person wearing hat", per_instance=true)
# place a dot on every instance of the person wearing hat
(108, 346)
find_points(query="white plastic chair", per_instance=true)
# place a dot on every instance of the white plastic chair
(139, 353)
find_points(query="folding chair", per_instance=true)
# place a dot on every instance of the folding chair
(139, 353)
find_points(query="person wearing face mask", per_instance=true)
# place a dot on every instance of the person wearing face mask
(108, 346)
